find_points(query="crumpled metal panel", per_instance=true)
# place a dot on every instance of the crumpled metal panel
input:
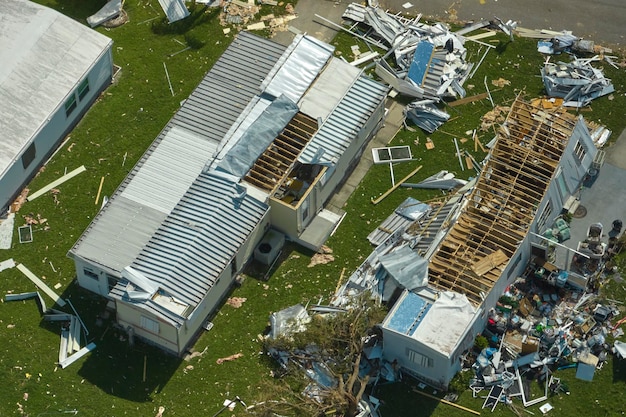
(175, 10)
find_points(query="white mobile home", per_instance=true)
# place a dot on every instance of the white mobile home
(170, 242)
(53, 68)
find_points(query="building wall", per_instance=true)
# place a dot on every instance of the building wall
(284, 217)
(130, 317)
(48, 137)
(93, 277)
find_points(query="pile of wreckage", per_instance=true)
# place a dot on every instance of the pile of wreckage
(430, 60)
(537, 329)
(576, 82)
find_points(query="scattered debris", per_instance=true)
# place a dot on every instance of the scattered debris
(576, 82)
(220, 361)
(323, 256)
(160, 412)
(236, 302)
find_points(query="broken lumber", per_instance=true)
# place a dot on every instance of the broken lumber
(56, 183)
(99, 190)
(389, 191)
(489, 262)
(42, 285)
(466, 100)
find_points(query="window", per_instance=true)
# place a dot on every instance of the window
(419, 359)
(149, 324)
(89, 273)
(29, 156)
(70, 105)
(83, 89)
(547, 211)
(579, 151)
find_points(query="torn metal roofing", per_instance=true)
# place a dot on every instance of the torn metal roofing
(258, 136)
(196, 242)
(498, 214)
(44, 56)
(296, 69)
(409, 211)
(345, 121)
(145, 198)
(425, 115)
(175, 10)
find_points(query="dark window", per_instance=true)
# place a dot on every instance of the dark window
(28, 156)
(70, 105)
(83, 89)
(89, 273)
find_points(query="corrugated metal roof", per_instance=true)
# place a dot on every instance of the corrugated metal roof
(297, 68)
(44, 55)
(178, 155)
(198, 240)
(329, 88)
(341, 127)
(175, 10)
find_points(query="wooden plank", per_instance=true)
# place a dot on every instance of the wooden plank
(56, 183)
(469, 99)
(42, 285)
(489, 262)
(389, 191)
(99, 190)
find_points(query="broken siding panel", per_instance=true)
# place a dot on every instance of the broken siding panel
(344, 122)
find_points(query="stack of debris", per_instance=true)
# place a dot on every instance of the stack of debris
(536, 330)
(425, 115)
(430, 59)
(576, 82)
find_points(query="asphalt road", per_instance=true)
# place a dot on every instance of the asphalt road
(603, 21)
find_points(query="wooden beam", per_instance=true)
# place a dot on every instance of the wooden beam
(389, 191)
(42, 285)
(56, 183)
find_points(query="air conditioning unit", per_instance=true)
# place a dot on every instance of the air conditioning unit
(269, 248)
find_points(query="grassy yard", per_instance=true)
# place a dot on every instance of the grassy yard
(118, 380)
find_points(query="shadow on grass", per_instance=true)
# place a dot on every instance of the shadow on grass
(400, 399)
(76, 9)
(619, 369)
(119, 370)
(114, 366)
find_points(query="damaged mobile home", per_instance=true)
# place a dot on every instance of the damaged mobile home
(261, 143)
(475, 245)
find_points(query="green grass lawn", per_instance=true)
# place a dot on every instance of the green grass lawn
(112, 137)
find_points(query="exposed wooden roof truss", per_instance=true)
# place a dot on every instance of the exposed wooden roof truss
(503, 203)
(274, 164)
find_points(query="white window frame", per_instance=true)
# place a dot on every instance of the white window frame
(149, 324)
(420, 359)
(580, 151)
